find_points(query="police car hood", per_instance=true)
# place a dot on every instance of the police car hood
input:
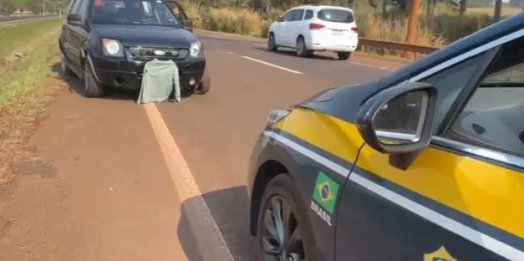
(342, 102)
(148, 36)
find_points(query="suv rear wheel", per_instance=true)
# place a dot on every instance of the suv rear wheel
(343, 55)
(302, 50)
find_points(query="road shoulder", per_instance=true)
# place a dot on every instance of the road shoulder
(96, 187)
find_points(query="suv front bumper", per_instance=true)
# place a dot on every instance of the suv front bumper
(124, 73)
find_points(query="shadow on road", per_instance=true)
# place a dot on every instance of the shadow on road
(292, 53)
(76, 85)
(229, 208)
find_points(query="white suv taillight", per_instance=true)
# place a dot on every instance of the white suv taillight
(315, 26)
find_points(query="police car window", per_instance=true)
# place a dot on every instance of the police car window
(449, 83)
(493, 115)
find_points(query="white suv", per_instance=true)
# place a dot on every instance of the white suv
(310, 28)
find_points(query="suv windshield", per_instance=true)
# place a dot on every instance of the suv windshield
(335, 15)
(135, 12)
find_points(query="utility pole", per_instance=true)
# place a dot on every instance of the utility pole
(43, 7)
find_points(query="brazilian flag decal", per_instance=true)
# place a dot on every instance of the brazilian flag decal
(326, 191)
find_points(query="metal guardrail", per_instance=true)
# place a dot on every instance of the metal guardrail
(417, 49)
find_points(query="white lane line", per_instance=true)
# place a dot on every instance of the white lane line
(182, 177)
(272, 65)
(372, 66)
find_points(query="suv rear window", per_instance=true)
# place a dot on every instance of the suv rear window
(336, 15)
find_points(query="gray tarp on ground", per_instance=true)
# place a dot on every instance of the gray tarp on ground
(158, 80)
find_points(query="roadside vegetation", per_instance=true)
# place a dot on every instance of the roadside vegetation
(19, 34)
(28, 59)
(438, 24)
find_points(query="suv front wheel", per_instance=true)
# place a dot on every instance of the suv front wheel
(92, 88)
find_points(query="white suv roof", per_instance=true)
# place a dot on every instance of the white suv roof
(318, 7)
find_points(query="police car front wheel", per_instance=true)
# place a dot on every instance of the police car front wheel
(284, 229)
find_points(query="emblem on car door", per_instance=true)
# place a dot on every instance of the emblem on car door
(440, 255)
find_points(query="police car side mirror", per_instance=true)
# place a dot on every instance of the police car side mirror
(399, 121)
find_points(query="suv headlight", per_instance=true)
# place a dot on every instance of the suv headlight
(112, 47)
(196, 49)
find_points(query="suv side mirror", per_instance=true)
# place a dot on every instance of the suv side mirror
(188, 25)
(399, 121)
(74, 19)
(280, 19)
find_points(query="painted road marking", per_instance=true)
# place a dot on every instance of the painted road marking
(272, 65)
(371, 66)
(182, 177)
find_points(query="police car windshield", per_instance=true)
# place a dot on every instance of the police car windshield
(132, 12)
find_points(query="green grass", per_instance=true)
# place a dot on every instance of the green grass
(18, 34)
(30, 71)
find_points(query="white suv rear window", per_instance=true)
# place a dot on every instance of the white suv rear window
(335, 15)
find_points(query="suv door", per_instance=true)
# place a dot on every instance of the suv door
(78, 33)
(180, 14)
(462, 197)
(282, 34)
(294, 26)
(68, 49)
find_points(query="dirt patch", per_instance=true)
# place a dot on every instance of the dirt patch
(18, 120)
(4, 224)
(35, 166)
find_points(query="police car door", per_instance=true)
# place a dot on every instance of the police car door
(462, 198)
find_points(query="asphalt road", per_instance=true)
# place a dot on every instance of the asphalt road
(109, 175)
(216, 132)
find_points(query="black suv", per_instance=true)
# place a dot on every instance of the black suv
(107, 43)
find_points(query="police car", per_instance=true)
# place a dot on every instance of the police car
(423, 164)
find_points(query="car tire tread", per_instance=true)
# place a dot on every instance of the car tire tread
(205, 85)
(271, 43)
(92, 88)
(284, 186)
(343, 55)
(301, 48)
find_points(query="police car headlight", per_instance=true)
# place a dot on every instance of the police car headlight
(275, 116)
(112, 47)
(196, 49)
